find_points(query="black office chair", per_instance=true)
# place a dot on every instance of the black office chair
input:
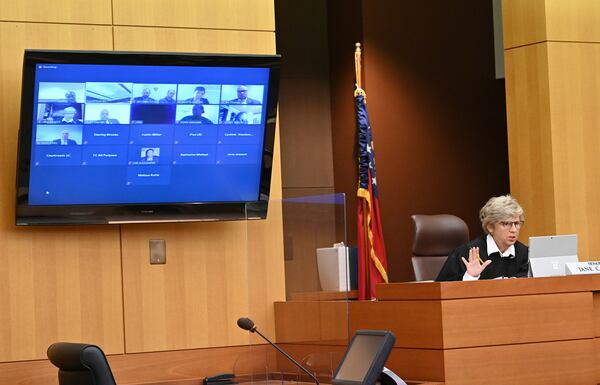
(80, 364)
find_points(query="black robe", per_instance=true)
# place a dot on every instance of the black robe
(454, 269)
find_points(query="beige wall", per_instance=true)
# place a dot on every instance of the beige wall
(552, 92)
(94, 283)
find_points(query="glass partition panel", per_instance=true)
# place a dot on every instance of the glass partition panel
(301, 276)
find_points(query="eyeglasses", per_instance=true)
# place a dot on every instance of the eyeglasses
(509, 224)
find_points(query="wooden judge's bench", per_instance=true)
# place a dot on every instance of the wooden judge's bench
(514, 331)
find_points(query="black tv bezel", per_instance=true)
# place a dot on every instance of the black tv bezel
(26, 215)
(377, 361)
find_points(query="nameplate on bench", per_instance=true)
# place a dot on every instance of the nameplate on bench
(579, 268)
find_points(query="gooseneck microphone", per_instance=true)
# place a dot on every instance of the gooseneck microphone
(248, 324)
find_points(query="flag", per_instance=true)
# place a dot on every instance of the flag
(372, 260)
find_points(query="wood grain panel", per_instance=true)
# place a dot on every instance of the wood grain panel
(417, 364)
(574, 84)
(266, 272)
(215, 272)
(567, 362)
(297, 321)
(597, 357)
(417, 324)
(521, 319)
(193, 40)
(524, 22)
(60, 11)
(487, 288)
(195, 298)
(596, 299)
(306, 135)
(530, 145)
(173, 368)
(59, 283)
(324, 322)
(573, 20)
(207, 14)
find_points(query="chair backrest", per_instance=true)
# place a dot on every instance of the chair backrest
(435, 237)
(80, 364)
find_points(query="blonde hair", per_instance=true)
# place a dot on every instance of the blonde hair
(498, 209)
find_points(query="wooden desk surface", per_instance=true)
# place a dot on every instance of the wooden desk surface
(486, 288)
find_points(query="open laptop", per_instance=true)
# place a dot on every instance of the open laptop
(549, 254)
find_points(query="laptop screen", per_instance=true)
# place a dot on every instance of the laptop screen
(549, 254)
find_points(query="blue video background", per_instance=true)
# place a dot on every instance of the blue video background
(119, 134)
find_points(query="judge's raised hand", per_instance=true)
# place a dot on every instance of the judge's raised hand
(474, 264)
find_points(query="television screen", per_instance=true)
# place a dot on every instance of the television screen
(112, 137)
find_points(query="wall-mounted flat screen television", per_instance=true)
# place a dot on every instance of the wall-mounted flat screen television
(121, 137)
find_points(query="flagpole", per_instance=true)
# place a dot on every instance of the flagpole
(365, 206)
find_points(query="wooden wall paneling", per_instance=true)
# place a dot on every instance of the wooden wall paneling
(60, 11)
(519, 319)
(571, 21)
(565, 362)
(574, 96)
(304, 94)
(530, 145)
(524, 22)
(194, 299)
(193, 40)
(323, 322)
(265, 253)
(297, 322)
(266, 271)
(334, 317)
(59, 283)
(242, 289)
(256, 15)
(417, 324)
(306, 132)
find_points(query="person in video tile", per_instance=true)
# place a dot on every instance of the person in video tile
(145, 98)
(149, 156)
(198, 96)
(105, 118)
(169, 98)
(242, 93)
(68, 116)
(196, 116)
(64, 139)
(241, 118)
(70, 97)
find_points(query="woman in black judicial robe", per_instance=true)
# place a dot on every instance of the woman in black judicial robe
(497, 253)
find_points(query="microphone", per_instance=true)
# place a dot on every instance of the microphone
(248, 324)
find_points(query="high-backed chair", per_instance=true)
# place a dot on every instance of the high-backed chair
(80, 364)
(435, 237)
